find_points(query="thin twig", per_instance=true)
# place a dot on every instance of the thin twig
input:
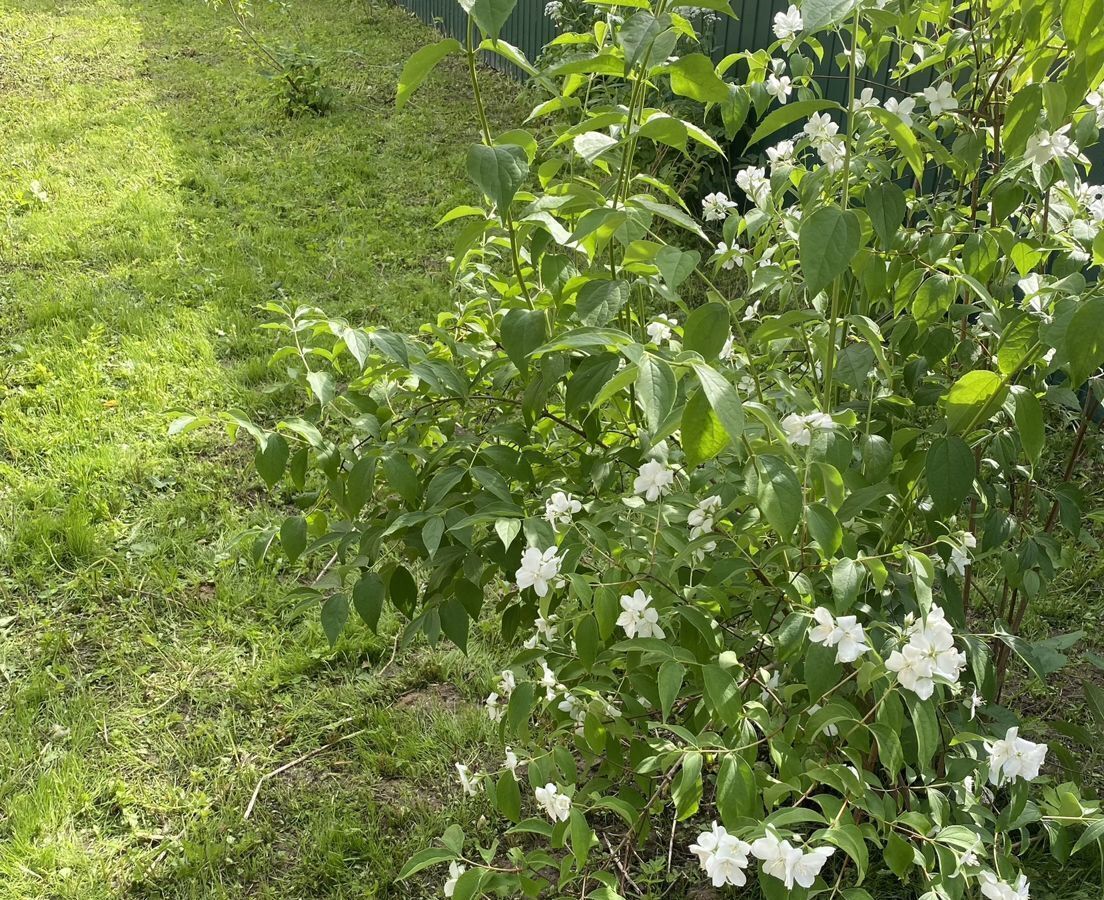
(292, 764)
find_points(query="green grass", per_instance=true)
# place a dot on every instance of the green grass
(151, 673)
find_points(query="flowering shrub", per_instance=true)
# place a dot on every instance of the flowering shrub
(765, 542)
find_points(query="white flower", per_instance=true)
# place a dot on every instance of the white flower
(789, 864)
(993, 888)
(913, 670)
(940, 98)
(780, 87)
(469, 782)
(728, 349)
(722, 856)
(548, 681)
(507, 682)
(700, 519)
(820, 128)
(638, 617)
(902, 109)
(715, 207)
(788, 25)
(539, 570)
(560, 507)
(754, 182)
(844, 633)
(653, 481)
(660, 330)
(821, 633)
(554, 10)
(752, 311)
(975, 703)
(781, 158)
(545, 630)
(455, 871)
(770, 686)
(511, 762)
(556, 806)
(958, 562)
(866, 100)
(494, 708)
(799, 429)
(860, 56)
(833, 154)
(1013, 757)
(849, 639)
(1043, 146)
(731, 256)
(574, 709)
(1095, 99)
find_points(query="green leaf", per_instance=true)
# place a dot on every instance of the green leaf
(950, 469)
(904, 138)
(885, 204)
(825, 529)
(508, 797)
(677, 265)
(687, 788)
(778, 494)
(638, 35)
(403, 589)
(898, 855)
(358, 484)
(849, 838)
(722, 397)
(592, 374)
(598, 301)
(335, 613)
(1029, 423)
(655, 390)
(821, 670)
(581, 836)
(817, 15)
(703, 435)
(498, 172)
(706, 329)
(1019, 345)
(368, 599)
(293, 537)
(827, 242)
(419, 66)
(489, 15)
(1084, 340)
(788, 114)
(523, 330)
(973, 399)
(322, 386)
(454, 622)
(933, 300)
(271, 459)
(722, 694)
(519, 709)
(671, 674)
(1021, 118)
(424, 859)
(694, 76)
(737, 795)
(926, 728)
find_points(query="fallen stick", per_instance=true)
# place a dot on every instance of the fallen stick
(292, 764)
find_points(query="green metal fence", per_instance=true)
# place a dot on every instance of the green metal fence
(530, 29)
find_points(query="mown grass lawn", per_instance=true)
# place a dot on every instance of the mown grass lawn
(151, 673)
